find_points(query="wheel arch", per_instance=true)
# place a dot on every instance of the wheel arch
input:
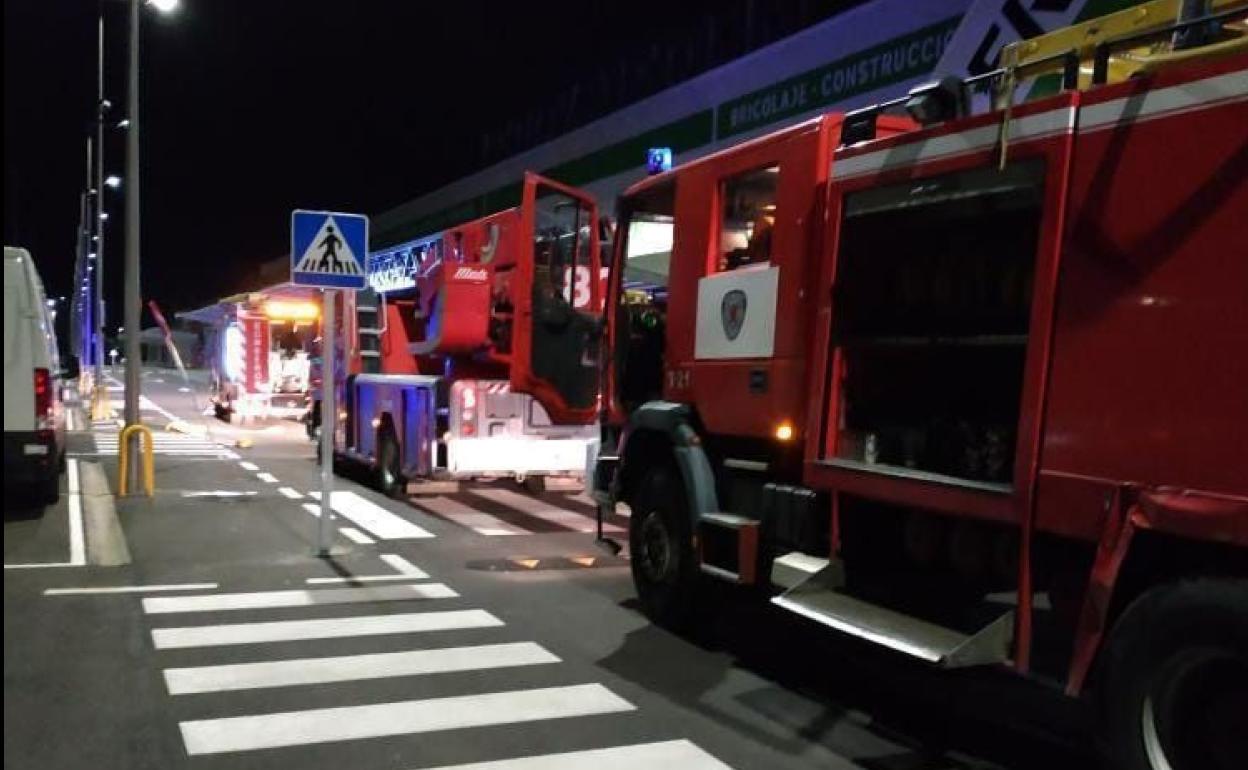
(665, 432)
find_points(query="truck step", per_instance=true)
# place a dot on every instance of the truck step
(728, 547)
(794, 568)
(821, 599)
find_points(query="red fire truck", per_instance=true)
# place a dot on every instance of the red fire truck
(971, 387)
(464, 336)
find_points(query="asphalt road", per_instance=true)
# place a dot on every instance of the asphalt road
(476, 627)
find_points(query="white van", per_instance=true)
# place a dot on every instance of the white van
(34, 417)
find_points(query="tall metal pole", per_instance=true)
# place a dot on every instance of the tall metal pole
(329, 413)
(86, 214)
(98, 315)
(133, 297)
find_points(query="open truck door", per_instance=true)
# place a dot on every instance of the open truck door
(558, 302)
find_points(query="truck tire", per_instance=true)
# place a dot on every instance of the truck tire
(661, 554)
(534, 485)
(389, 468)
(1175, 687)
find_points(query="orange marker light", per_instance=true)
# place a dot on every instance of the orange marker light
(784, 431)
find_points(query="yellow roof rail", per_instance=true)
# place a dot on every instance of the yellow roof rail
(1117, 46)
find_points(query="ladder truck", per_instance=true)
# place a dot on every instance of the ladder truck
(971, 386)
(457, 341)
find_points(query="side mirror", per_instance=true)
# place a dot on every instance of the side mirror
(70, 368)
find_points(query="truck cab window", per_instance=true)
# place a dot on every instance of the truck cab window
(748, 218)
(561, 259)
(648, 228)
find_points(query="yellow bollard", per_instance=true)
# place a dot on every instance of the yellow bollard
(149, 460)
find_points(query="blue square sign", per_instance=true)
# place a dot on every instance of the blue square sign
(327, 249)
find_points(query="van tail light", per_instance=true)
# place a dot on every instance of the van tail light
(43, 399)
(468, 410)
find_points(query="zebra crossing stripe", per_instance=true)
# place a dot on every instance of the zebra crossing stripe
(675, 754)
(381, 523)
(540, 509)
(354, 535)
(320, 628)
(354, 579)
(349, 668)
(345, 723)
(294, 598)
(401, 565)
(471, 518)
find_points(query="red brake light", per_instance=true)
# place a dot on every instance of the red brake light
(43, 398)
(467, 415)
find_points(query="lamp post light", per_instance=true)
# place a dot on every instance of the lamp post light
(133, 298)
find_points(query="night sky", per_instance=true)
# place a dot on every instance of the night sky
(252, 108)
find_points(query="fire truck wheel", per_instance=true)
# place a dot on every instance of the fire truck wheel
(389, 469)
(1176, 680)
(661, 548)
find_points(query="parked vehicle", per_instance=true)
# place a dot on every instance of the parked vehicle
(34, 416)
(969, 387)
(449, 356)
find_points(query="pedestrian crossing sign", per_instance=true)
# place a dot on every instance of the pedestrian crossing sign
(327, 249)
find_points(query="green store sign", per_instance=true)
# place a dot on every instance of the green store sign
(902, 58)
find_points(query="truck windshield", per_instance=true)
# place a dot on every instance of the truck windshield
(561, 258)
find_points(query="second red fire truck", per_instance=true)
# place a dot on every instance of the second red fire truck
(462, 339)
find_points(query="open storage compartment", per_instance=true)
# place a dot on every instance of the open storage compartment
(931, 314)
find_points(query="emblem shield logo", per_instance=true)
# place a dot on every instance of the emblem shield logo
(732, 313)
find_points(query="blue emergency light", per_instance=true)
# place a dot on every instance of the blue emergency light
(658, 160)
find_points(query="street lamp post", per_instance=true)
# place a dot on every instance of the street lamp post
(133, 297)
(98, 300)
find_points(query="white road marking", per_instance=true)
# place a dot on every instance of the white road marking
(465, 516)
(111, 439)
(326, 725)
(147, 403)
(674, 754)
(217, 493)
(348, 668)
(353, 579)
(248, 466)
(401, 565)
(295, 598)
(540, 509)
(267, 478)
(189, 454)
(69, 420)
(320, 628)
(290, 492)
(381, 523)
(130, 589)
(354, 535)
(42, 564)
(77, 538)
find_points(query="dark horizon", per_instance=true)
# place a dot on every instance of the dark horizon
(243, 119)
